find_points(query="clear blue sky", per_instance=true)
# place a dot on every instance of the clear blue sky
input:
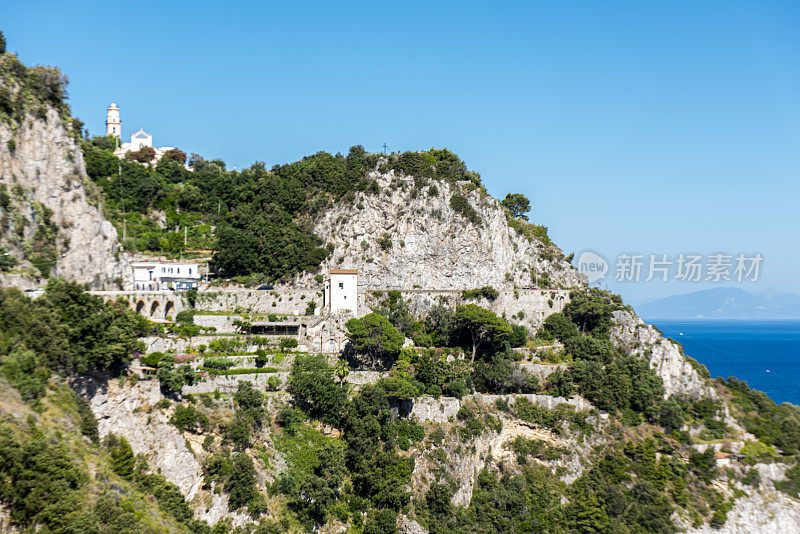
(648, 127)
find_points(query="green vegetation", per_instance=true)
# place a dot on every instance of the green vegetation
(486, 292)
(262, 215)
(46, 485)
(479, 325)
(773, 424)
(611, 380)
(314, 389)
(37, 88)
(517, 204)
(64, 331)
(461, 205)
(188, 418)
(374, 336)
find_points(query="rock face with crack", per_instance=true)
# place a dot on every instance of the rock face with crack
(123, 411)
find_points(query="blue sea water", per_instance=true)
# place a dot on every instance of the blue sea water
(765, 354)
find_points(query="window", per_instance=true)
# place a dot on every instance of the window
(345, 297)
(190, 271)
(341, 285)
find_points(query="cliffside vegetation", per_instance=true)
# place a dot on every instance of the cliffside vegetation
(326, 454)
(256, 220)
(29, 91)
(55, 475)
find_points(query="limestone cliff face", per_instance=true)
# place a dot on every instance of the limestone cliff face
(665, 356)
(407, 236)
(129, 411)
(50, 220)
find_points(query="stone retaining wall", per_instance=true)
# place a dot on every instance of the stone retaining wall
(535, 304)
(230, 383)
(281, 301)
(442, 409)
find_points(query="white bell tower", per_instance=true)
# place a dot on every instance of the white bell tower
(113, 124)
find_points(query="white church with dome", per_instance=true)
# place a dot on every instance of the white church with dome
(139, 139)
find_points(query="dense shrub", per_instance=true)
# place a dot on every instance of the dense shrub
(175, 155)
(188, 418)
(461, 205)
(217, 362)
(486, 292)
(591, 310)
(558, 326)
(314, 389)
(145, 154)
(241, 484)
(287, 343)
(185, 317)
(65, 330)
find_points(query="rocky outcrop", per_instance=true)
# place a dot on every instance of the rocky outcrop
(51, 221)
(128, 411)
(765, 512)
(665, 356)
(408, 235)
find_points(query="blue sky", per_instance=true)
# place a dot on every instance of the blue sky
(633, 126)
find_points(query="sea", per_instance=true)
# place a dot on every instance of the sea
(765, 354)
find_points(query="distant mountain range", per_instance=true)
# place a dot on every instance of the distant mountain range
(723, 303)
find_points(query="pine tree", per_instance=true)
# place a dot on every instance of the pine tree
(122, 459)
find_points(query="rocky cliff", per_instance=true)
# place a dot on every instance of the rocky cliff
(131, 411)
(664, 355)
(50, 218)
(412, 235)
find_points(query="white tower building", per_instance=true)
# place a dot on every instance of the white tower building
(341, 291)
(113, 124)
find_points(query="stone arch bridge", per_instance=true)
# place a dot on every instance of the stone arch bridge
(156, 305)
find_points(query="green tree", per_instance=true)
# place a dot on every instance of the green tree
(591, 310)
(439, 322)
(586, 515)
(374, 336)
(172, 378)
(518, 204)
(250, 401)
(558, 326)
(122, 459)
(314, 389)
(241, 484)
(381, 522)
(480, 325)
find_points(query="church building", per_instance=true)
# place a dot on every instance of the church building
(139, 139)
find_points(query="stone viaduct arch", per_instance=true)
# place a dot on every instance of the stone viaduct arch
(152, 304)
